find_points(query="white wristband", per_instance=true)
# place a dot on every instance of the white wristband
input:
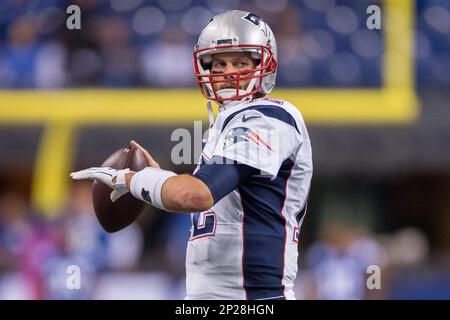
(147, 184)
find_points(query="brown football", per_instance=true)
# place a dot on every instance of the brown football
(114, 216)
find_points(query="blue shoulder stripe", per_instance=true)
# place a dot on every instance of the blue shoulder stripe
(269, 111)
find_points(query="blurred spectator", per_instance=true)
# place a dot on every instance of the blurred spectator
(168, 60)
(119, 65)
(339, 260)
(412, 273)
(50, 69)
(26, 242)
(18, 59)
(84, 244)
(406, 247)
(124, 251)
(84, 236)
(15, 229)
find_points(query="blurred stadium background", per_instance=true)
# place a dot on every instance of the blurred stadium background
(376, 103)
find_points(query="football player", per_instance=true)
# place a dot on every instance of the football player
(248, 195)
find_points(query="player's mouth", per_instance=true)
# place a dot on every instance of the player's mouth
(228, 86)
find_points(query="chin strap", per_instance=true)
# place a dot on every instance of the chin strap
(222, 106)
(210, 114)
(210, 119)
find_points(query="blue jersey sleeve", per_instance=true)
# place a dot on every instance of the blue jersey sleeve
(222, 177)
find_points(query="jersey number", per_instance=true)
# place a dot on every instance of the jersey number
(203, 224)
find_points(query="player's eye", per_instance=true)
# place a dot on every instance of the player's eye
(241, 64)
(218, 64)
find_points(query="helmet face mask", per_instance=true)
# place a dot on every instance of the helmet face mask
(236, 31)
(207, 79)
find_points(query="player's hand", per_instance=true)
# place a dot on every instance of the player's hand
(150, 161)
(113, 178)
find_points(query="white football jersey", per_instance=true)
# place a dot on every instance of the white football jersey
(245, 246)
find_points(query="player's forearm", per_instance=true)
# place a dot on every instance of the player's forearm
(182, 193)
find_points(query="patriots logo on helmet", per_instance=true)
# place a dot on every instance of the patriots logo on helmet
(253, 18)
(257, 21)
(235, 135)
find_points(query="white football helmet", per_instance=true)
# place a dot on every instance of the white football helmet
(236, 31)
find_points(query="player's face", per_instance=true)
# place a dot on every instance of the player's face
(228, 62)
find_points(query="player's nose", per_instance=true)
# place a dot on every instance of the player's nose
(229, 68)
